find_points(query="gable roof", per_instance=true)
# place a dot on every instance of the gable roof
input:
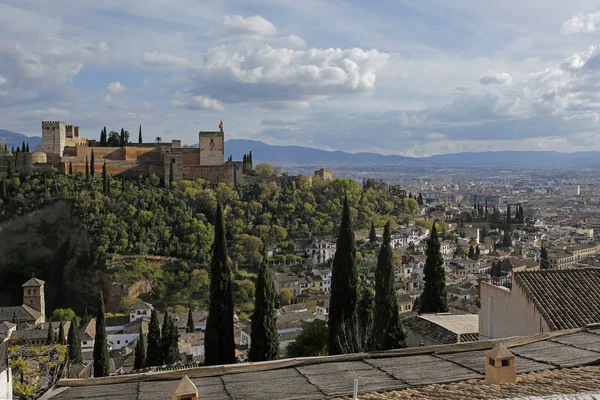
(23, 313)
(34, 282)
(140, 305)
(567, 299)
(441, 329)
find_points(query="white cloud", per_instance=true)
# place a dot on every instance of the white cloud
(158, 59)
(255, 26)
(50, 113)
(498, 78)
(198, 103)
(146, 82)
(116, 87)
(582, 23)
(2, 80)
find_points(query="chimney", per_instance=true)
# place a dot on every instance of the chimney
(500, 366)
(184, 390)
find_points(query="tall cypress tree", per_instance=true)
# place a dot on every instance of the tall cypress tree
(140, 136)
(191, 327)
(218, 338)
(140, 352)
(153, 351)
(122, 138)
(508, 216)
(101, 358)
(87, 170)
(372, 233)
(27, 148)
(433, 299)
(23, 147)
(74, 342)
(389, 333)
(471, 252)
(171, 175)
(70, 168)
(264, 344)
(344, 282)
(61, 333)
(169, 340)
(104, 178)
(92, 165)
(544, 263)
(50, 340)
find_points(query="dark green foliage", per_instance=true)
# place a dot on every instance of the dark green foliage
(122, 138)
(23, 146)
(508, 214)
(61, 334)
(219, 341)
(140, 136)
(264, 336)
(169, 340)
(311, 342)
(507, 237)
(544, 262)
(434, 298)
(477, 253)
(87, 170)
(171, 175)
(92, 164)
(27, 148)
(344, 281)
(496, 269)
(103, 138)
(471, 252)
(101, 358)
(388, 333)
(420, 199)
(4, 192)
(153, 351)
(104, 179)
(372, 233)
(70, 168)
(190, 327)
(140, 352)
(74, 342)
(50, 339)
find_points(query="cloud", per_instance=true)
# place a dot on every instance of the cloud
(582, 23)
(157, 59)
(255, 26)
(116, 87)
(146, 82)
(498, 78)
(198, 103)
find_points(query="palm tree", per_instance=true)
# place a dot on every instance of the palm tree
(158, 139)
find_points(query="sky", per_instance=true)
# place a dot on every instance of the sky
(409, 77)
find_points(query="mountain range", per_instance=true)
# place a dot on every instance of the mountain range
(263, 152)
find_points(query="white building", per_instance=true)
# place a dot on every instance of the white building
(5, 374)
(322, 310)
(321, 251)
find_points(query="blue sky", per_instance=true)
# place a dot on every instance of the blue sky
(411, 77)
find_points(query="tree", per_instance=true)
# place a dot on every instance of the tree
(433, 299)
(140, 136)
(506, 239)
(101, 359)
(158, 139)
(389, 333)
(104, 178)
(218, 338)
(27, 148)
(153, 352)
(477, 253)
(471, 252)
(544, 263)
(264, 336)
(23, 146)
(372, 233)
(140, 352)
(169, 340)
(311, 342)
(92, 164)
(508, 214)
(171, 175)
(50, 338)
(4, 190)
(74, 342)
(70, 168)
(286, 296)
(87, 170)
(344, 281)
(114, 139)
(103, 138)
(190, 326)
(63, 314)
(265, 170)
(122, 138)
(61, 333)
(420, 200)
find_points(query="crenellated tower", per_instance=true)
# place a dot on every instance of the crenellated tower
(54, 137)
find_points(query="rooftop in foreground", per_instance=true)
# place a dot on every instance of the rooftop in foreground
(564, 362)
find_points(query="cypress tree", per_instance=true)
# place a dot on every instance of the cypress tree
(101, 358)
(70, 168)
(420, 199)
(264, 336)
(122, 141)
(23, 146)
(74, 342)
(27, 148)
(87, 170)
(140, 352)
(471, 252)
(61, 333)
(4, 190)
(508, 216)
(170, 341)
(123, 184)
(218, 338)
(18, 149)
(153, 353)
(171, 175)
(108, 184)
(191, 327)
(104, 179)
(344, 282)
(433, 299)
(477, 253)
(372, 233)
(14, 319)
(544, 263)
(389, 333)
(92, 165)
(250, 160)
(50, 338)
(140, 136)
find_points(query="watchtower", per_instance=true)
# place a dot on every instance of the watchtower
(33, 295)
(54, 137)
(212, 148)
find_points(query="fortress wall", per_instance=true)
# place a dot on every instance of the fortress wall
(191, 156)
(151, 154)
(229, 173)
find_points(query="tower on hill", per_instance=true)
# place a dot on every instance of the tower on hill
(33, 295)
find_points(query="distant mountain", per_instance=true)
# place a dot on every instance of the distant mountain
(519, 158)
(14, 139)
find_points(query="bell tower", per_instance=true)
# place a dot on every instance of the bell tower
(33, 295)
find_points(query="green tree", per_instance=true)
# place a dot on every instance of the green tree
(264, 336)
(219, 341)
(50, 339)
(434, 298)
(87, 170)
(286, 296)
(265, 170)
(471, 252)
(101, 358)
(507, 237)
(74, 342)
(61, 334)
(311, 342)
(544, 262)
(191, 327)
(508, 214)
(372, 233)
(103, 137)
(344, 281)
(122, 138)
(92, 164)
(158, 139)
(140, 136)
(171, 178)
(389, 333)
(153, 352)
(104, 178)
(169, 340)
(140, 352)
(4, 190)
(70, 168)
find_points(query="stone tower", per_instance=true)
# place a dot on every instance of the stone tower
(54, 137)
(33, 295)
(212, 148)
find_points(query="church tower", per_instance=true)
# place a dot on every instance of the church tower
(33, 295)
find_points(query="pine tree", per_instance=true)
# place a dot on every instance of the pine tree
(61, 333)
(50, 340)
(471, 252)
(122, 138)
(70, 168)
(264, 336)
(218, 338)
(544, 263)
(389, 333)
(74, 342)
(92, 165)
(140, 352)
(486, 209)
(433, 299)
(101, 358)
(344, 282)
(153, 351)
(87, 170)
(372, 233)
(191, 327)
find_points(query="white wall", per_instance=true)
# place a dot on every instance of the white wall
(6, 384)
(121, 340)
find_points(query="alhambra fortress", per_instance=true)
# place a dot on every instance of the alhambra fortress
(63, 148)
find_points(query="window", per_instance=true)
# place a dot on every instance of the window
(144, 312)
(505, 363)
(118, 342)
(492, 362)
(85, 342)
(28, 292)
(139, 312)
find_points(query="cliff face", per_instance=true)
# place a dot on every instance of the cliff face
(52, 244)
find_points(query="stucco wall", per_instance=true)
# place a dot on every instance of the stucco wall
(6, 384)
(506, 313)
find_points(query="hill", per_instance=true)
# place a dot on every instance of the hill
(14, 139)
